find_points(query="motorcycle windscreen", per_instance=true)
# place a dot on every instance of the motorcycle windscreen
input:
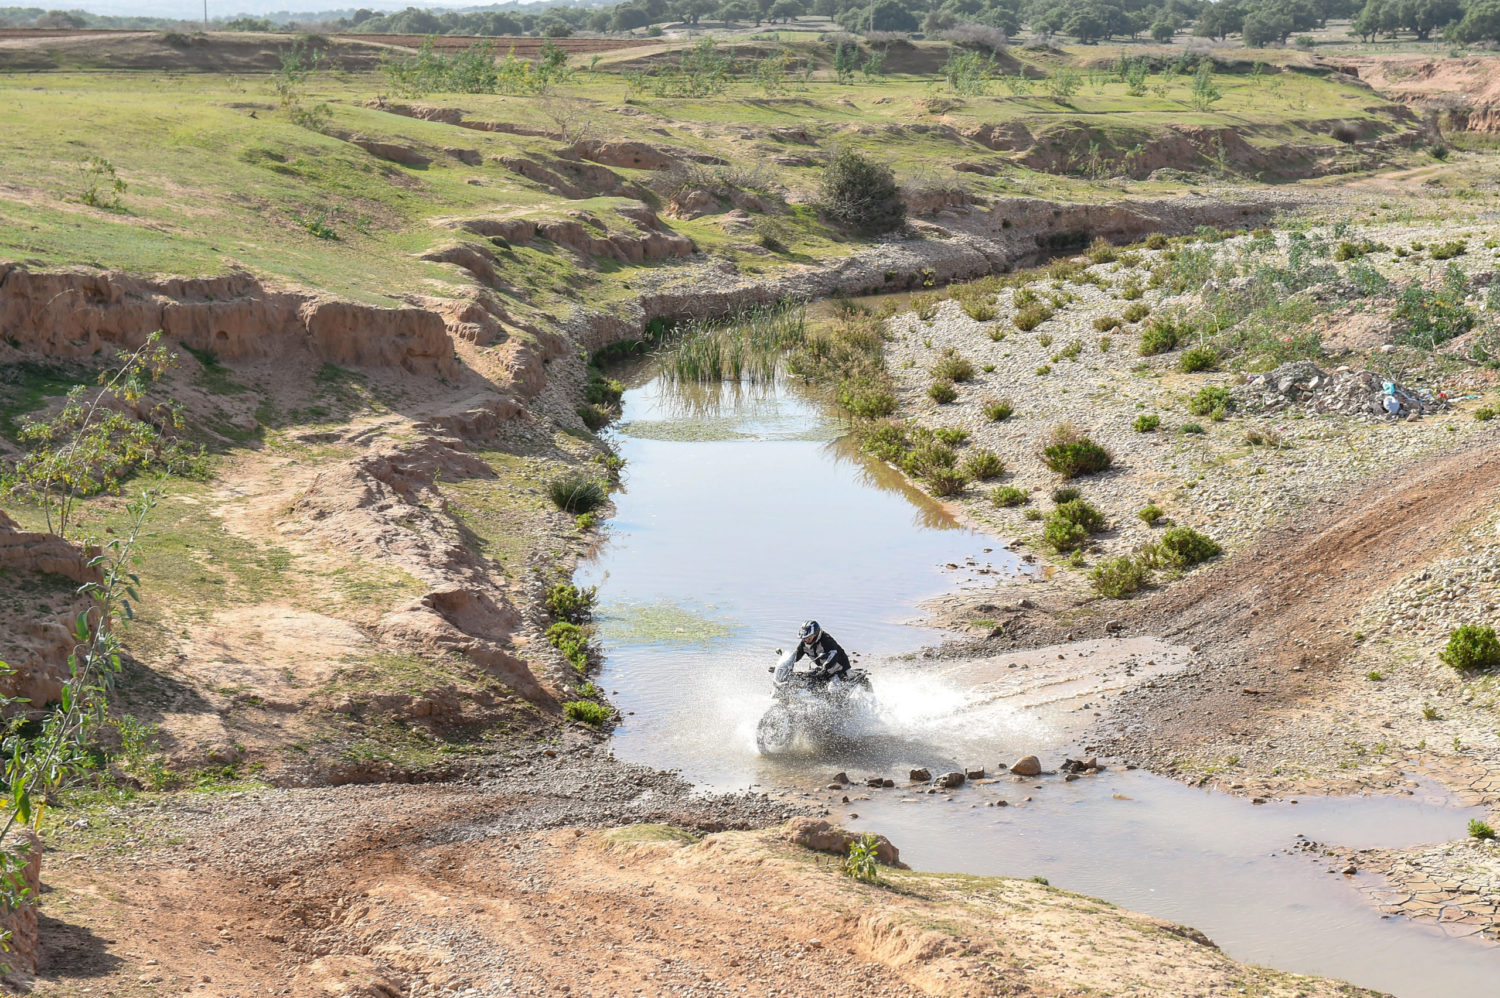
(784, 667)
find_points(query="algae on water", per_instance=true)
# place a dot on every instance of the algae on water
(665, 622)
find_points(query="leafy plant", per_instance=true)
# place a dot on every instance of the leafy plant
(942, 392)
(102, 186)
(590, 712)
(1472, 647)
(1184, 547)
(1211, 400)
(1070, 453)
(1008, 495)
(982, 465)
(998, 410)
(861, 862)
(1198, 359)
(566, 601)
(1480, 830)
(577, 493)
(1435, 315)
(1147, 423)
(1119, 577)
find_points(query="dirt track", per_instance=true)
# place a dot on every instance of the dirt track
(1272, 621)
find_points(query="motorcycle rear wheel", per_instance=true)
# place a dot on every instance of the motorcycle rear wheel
(775, 732)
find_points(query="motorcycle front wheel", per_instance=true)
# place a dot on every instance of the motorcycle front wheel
(775, 733)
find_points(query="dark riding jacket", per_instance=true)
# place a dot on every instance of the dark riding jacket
(824, 652)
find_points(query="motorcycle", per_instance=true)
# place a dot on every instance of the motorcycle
(807, 704)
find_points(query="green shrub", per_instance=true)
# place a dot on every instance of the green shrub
(1131, 290)
(1119, 577)
(1198, 359)
(1066, 493)
(590, 713)
(1156, 241)
(1150, 513)
(577, 493)
(1102, 251)
(866, 397)
(1435, 315)
(1161, 336)
(951, 435)
(982, 465)
(978, 310)
(1070, 524)
(926, 305)
(886, 440)
(1192, 428)
(861, 194)
(1009, 495)
(943, 482)
(998, 410)
(953, 368)
(1211, 401)
(595, 417)
(1024, 297)
(1449, 250)
(1184, 547)
(1072, 350)
(1031, 316)
(1033, 514)
(1147, 423)
(1136, 312)
(928, 457)
(860, 863)
(566, 601)
(1105, 323)
(1071, 454)
(1484, 414)
(601, 390)
(572, 641)
(1472, 647)
(1480, 830)
(942, 392)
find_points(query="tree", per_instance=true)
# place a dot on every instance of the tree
(1163, 31)
(861, 194)
(1219, 20)
(891, 15)
(1481, 22)
(786, 10)
(1265, 27)
(734, 10)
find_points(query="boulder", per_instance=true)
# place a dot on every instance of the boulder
(920, 775)
(975, 772)
(824, 836)
(1027, 766)
(950, 780)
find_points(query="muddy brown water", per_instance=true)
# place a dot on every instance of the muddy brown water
(744, 512)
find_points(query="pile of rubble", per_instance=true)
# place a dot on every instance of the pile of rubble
(1302, 384)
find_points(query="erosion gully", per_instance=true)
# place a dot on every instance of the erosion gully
(745, 511)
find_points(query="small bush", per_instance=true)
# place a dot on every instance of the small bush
(1257, 437)
(1150, 513)
(942, 392)
(1119, 577)
(982, 465)
(1105, 323)
(577, 493)
(1009, 495)
(572, 641)
(1031, 316)
(1045, 339)
(590, 713)
(1480, 830)
(867, 398)
(861, 861)
(1156, 241)
(952, 367)
(1136, 312)
(1472, 647)
(1161, 336)
(1070, 524)
(861, 194)
(1147, 423)
(943, 482)
(1033, 514)
(1449, 250)
(1184, 547)
(979, 310)
(1102, 251)
(1066, 494)
(998, 410)
(1131, 290)
(566, 601)
(928, 457)
(1484, 414)
(1198, 359)
(1211, 401)
(1191, 428)
(951, 435)
(1071, 454)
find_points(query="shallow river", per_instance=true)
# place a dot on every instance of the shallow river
(743, 514)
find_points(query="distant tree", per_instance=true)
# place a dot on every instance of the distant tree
(786, 10)
(734, 10)
(1220, 20)
(1481, 22)
(891, 15)
(1163, 31)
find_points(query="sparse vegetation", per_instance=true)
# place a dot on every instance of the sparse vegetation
(942, 392)
(1070, 525)
(953, 367)
(1211, 401)
(1008, 495)
(1119, 577)
(1150, 513)
(1198, 359)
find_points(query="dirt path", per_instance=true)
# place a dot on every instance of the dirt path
(1274, 621)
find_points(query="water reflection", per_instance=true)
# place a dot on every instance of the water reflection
(927, 513)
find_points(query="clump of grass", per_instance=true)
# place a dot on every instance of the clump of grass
(1131, 289)
(866, 397)
(1119, 577)
(1043, 370)
(1066, 493)
(1150, 513)
(1198, 359)
(1156, 241)
(1211, 401)
(981, 465)
(590, 713)
(953, 367)
(951, 435)
(1045, 339)
(1449, 249)
(927, 458)
(1257, 437)
(979, 311)
(1484, 414)
(1102, 251)
(1031, 316)
(1191, 429)
(1183, 547)
(1472, 647)
(577, 493)
(1480, 830)
(1071, 453)
(1105, 323)
(595, 417)
(1033, 514)
(1162, 335)
(926, 305)
(1009, 495)
(998, 410)
(750, 346)
(1136, 312)
(944, 482)
(1072, 350)
(1148, 422)
(1070, 524)
(1024, 297)
(942, 392)
(1105, 343)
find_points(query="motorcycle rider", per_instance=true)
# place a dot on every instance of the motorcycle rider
(825, 652)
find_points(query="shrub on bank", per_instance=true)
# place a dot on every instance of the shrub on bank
(1031, 316)
(1161, 336)
(1198, 359)
(590, 713)
(866, 397)
(576, 493)
(1119, 577)
(1070, 525)
(861, 194)
(1184, 547)
(1135, 312)
(1147, 423)
(1071, 453)
(1009, 495)
(942, 392)
(998, 410)
(982, 465)
(1472, 647)
(566, 601)
(944, 482)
